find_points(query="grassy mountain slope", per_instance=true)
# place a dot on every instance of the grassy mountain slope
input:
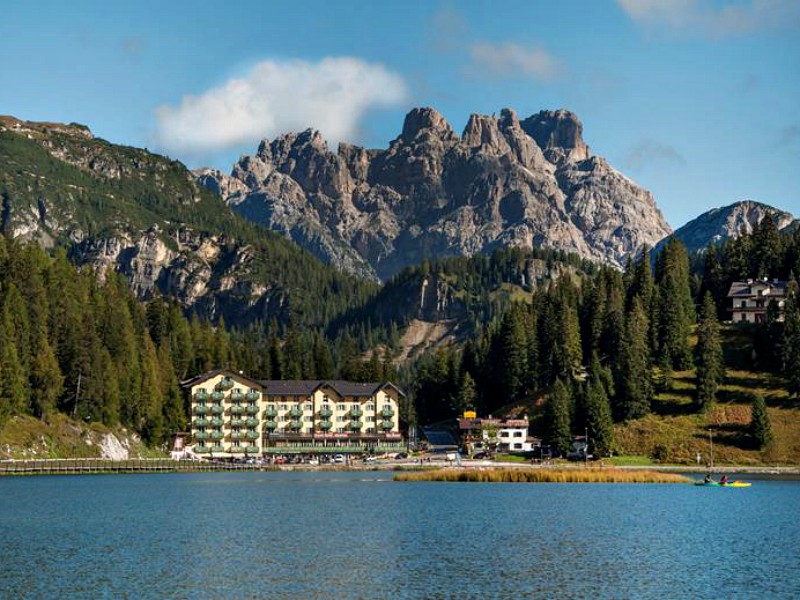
(61, 186)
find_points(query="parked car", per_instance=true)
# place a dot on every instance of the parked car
(338, 458)
(401, 456)
(482, 456)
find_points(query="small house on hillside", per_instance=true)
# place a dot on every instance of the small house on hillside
(750, 299)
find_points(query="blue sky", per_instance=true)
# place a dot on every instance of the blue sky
(696, 100)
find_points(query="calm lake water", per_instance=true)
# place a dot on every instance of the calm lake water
(361, 535)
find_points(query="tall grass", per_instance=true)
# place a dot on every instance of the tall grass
(542, 476)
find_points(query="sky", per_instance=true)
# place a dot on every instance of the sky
(696, 100)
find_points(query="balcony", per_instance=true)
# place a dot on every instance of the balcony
(201, 435)
(252, 435)
(216, 409)
(251, 422)
(251, 409)
(296, 424)
(201, 449)
(217, 422)
(270, 413)
(201, 423)
(237, 410)
(236, 450)
(200, 410)
(296, 412)
(386, 424)
(325, 412)
(225, 384)
(237, 396)
(201, 396)
(217, 435)
(271, 425)
(216, 396)
(237, 435)
(356, 413)
(237, 423)
(253, 396)
(387, 413)
(355, 425)
(325, 425)
(252, 449)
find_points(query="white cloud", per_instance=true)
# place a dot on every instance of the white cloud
(649, 152)
(276, 97)
(513, 60)
(720, 20)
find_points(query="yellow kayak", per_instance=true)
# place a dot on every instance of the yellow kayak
(729, 484)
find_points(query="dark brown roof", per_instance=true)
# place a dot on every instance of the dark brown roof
(296, 387)
(306, 387)
(210, 374)
(743, 289)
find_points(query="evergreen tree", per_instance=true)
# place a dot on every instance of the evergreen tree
(598, 418)
(559, 433)
(708, 355)
(467, 393)
(791, 338)
(634, 385)
(46, 381)
(675, 306)
(760, 428)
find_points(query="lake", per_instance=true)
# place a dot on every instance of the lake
(361, 535)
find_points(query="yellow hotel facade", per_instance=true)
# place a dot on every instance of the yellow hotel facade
(233, 415)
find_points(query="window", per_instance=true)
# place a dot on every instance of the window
(281, 419)
(518, 446)
(340, 419)
(308, 419)
(517, 434)
(340, 430)
(370, 430)
(309, 407)
(369, 407)
(310, 430)
(341, 407)
(370, 419)
(284, 407)
(355, 406)
(744, 303)
(744, 317)
(387, 407)
(237, 390)
(325, 398)
(503, 434)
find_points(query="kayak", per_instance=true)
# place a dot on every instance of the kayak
(736, 484)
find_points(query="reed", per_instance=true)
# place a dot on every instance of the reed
(542, 476)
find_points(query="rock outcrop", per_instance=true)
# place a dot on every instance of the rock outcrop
(719, 224)
(432, 193)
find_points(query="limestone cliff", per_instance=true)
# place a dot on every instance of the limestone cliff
(432, 193)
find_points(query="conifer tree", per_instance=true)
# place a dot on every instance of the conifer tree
(599, 423)
(46, 381)
(708, 355)
(760, 428)
(467, 393)
(634, 385)
(675, 306)
(559, 433)
(791, 337)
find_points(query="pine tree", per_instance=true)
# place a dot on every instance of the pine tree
(760, 428)
(559, 433)
(467, 393)
(708, 355)
(791, 338)
(598, 418)
(634, 386)
(46, 381)
(675, 306)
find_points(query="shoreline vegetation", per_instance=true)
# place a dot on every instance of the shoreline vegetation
(555, 475)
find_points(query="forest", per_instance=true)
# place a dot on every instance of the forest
(595, 343)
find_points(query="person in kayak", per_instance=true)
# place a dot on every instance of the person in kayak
(708, 478)
(723, 480)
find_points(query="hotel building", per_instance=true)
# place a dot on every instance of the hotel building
(233, 415)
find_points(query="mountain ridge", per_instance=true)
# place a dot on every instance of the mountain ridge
(504, 182)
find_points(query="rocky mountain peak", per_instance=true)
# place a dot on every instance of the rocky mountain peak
(719, 224)
(559, 133)
(431, 193)
(483, 131)
(424, 120)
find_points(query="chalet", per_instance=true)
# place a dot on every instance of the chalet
(750, 299)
